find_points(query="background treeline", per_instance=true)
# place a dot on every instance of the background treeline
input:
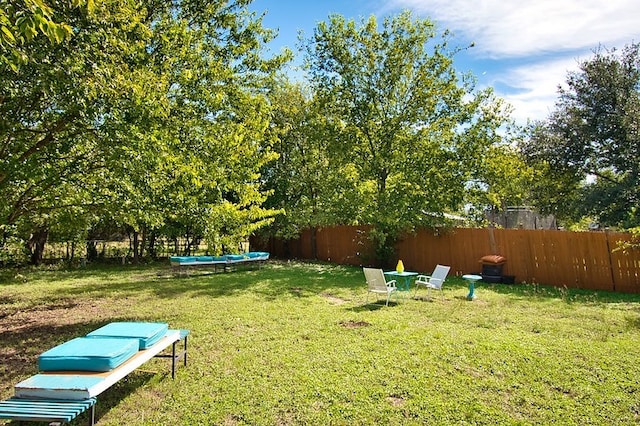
(170, 121)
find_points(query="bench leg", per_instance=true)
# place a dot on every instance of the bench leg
(92, 415)
(173, 360)
(175, 356)
(185, 350)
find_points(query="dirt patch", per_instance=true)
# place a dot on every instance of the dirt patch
(29, 331)
(395, 401)
(354, 324)
(53, 316)
(333, 299)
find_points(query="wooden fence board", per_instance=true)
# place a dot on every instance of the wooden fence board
(625, 266)
(586, 260)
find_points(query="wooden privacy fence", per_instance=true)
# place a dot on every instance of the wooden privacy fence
(586, 260)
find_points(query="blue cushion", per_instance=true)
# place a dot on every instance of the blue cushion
(84, 354)
(147, 333)
(204, 258)
(182, 259)
(235, 257)
(65, 388)
(258, 254)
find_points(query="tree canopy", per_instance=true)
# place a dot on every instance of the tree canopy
(166, 119)
(590, 143)
(149, 115)
(406, 128)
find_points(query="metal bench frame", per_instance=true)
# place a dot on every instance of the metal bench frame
(65, 410)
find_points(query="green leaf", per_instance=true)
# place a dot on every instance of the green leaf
(8, 35)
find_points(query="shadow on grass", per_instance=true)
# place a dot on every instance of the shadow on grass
(271, 281)
(21, 347)
(633, 322)
(531, 291)
(374, 306)
(118, 392)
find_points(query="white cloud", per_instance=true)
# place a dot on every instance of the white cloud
(516, 28)
(531, 44)
(533, 88)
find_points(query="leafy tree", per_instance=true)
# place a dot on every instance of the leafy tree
(23, 20)
(410, 129)
(311, 189)
(148, 113)
(219, 114)
(293, 179)
(53, 110)
(591, 139)
(504, 179)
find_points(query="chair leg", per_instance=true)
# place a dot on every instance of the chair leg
(367, 299)
(389, 296)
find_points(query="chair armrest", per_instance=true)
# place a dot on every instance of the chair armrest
(391, 283)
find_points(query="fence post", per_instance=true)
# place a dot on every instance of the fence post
(613, 275)
(492, 241)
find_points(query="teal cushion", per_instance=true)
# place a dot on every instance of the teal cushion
(147, 333)
(235, 257)
(204, 258)
(183, 259)
(65, 388)
(85, 354)
(258, 255)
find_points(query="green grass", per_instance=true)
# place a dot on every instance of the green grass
(296, 344)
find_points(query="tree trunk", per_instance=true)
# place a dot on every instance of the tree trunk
(92, 251)
(71, 251)
(151, 248)
(136, 244)
(143, 243)
(36, 244)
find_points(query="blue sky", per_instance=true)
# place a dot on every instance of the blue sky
(523, 49)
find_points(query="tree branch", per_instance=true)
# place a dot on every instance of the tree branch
(48, 138)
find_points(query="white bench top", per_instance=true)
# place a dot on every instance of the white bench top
(81, 385)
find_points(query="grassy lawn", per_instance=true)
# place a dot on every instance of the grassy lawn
(296, 343)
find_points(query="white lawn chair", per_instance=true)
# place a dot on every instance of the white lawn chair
(433, 281)
(376, 283)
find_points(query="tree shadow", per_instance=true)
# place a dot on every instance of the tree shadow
(113, 396)
(22, 346)
(532, 291)
(270, 281)
(373, 306)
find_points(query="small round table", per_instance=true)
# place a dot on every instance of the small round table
(471, 279)
(406, 276)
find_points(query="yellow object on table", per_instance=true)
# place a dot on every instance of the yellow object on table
(400, 267)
